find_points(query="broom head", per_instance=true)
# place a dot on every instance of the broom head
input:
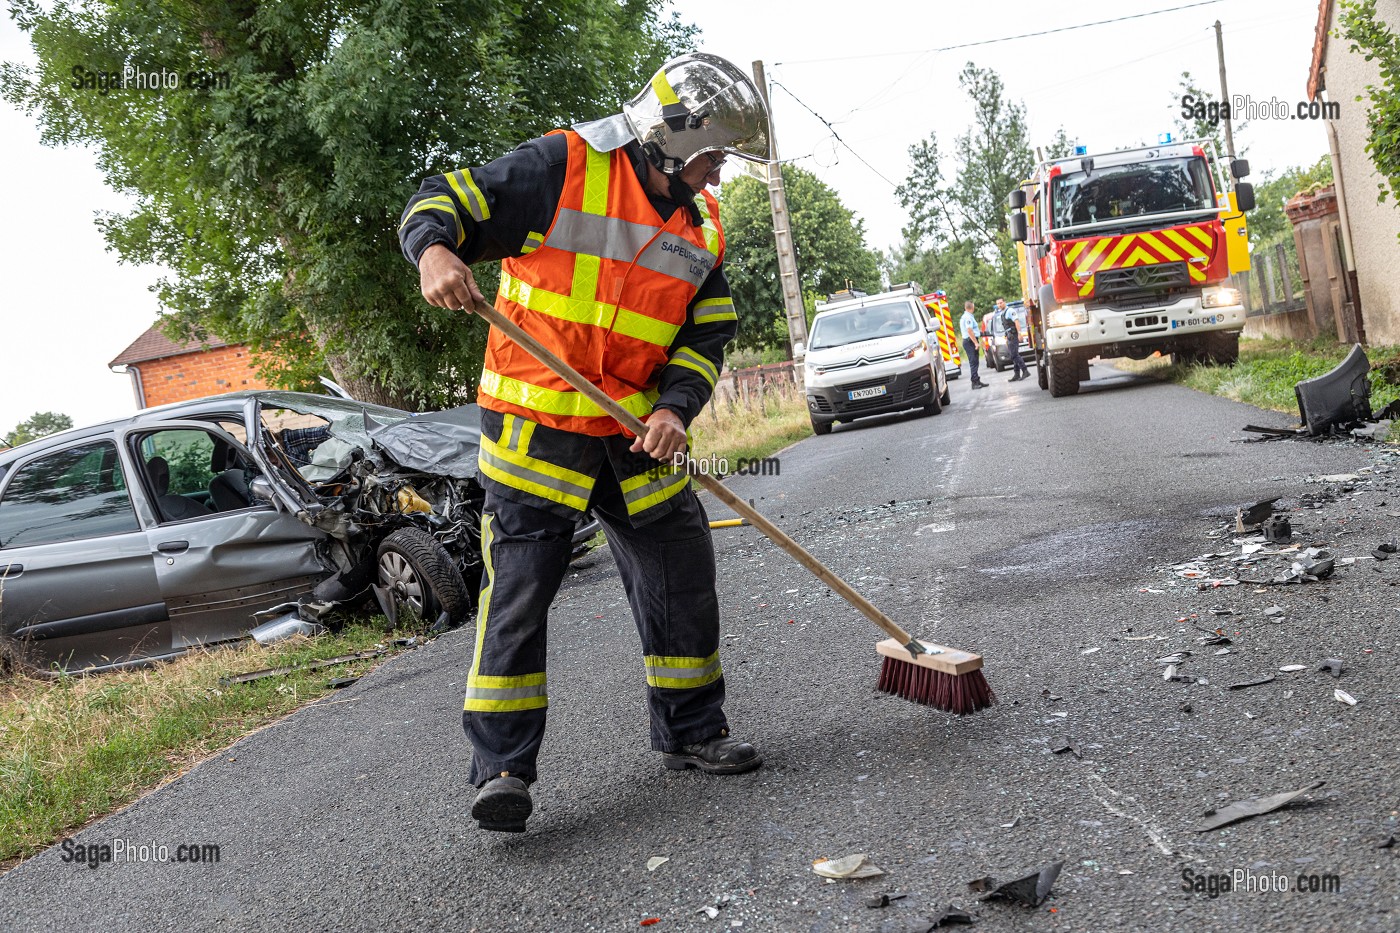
(951, 680)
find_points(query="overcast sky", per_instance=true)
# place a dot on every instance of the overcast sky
(69, 307)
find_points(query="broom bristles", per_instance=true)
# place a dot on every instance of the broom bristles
(959, 694)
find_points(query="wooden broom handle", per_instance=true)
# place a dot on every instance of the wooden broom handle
(721, 492)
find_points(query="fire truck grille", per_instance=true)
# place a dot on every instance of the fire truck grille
(1138, 280)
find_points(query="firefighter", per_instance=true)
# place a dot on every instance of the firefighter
(611, 256)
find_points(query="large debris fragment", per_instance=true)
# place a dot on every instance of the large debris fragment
(1244, 809)
(1339, 398)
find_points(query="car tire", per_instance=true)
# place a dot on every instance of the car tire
(998, 363)
(947, 395)
(821, 427)
(1063, 375)
(421, 577)
(934, 405)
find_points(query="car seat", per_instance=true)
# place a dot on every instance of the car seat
(174, 508)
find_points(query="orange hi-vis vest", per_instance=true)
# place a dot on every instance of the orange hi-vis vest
(606, 289)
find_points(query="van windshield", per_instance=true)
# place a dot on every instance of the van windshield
(1160, 186)
(837, 328)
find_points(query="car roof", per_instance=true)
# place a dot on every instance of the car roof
(194, 408)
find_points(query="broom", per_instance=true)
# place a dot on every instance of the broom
(934, 675)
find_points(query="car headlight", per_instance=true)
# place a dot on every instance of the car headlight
(1220, 297)
(916, 349)
(814, 370)
(1068, 317)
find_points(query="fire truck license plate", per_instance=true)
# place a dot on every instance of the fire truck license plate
(866, 393)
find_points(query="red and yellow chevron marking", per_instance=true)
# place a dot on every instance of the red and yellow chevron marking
(946, 344)
(1175, 244)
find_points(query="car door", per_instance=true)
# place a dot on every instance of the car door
(77, 587)
(217, 562)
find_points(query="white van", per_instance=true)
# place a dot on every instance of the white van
(871, 355)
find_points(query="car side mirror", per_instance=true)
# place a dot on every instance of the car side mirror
(1244, 196)
(260, 489)
(799, 348)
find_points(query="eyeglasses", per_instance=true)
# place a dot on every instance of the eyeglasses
(716, 158)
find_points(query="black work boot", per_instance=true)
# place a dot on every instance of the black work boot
(503, 804)
(719, 754)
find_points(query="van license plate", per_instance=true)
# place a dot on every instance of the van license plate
(866, 393)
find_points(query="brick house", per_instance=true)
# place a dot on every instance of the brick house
(163, 371)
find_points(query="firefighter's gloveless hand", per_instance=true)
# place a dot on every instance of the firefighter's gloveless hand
(665, 435)
(446, 281)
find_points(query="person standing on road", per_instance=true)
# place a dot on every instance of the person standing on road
(611, 253)
(967, 326)
(1013, 342)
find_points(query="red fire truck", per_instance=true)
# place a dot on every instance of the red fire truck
(1129, 253)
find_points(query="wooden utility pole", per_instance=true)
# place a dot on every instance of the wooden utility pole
(782, 230)
(1224, 92)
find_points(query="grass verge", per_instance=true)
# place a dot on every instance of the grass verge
(75, 748)
(737, 430)
(1268, 369)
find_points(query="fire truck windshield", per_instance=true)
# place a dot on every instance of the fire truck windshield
(1161, 186)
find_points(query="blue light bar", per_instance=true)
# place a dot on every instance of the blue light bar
(1081, 150)
(1164, 138)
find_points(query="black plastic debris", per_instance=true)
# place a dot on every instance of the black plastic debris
(1249, 517)
(1379, 554)
(1340, 397)
(1215, 639)
(1388, 842)
(283, 671)
(951, 916)
(341, 682)
(1244, 809)
(1030, 886)
(1332, 666)
(1250, 683)
(1278, 529)
(1185, 707)
(883, 900)
(1064, 743)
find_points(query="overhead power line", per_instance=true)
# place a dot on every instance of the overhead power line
(835, 134)
(1024, 35)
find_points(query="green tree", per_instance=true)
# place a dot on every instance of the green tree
(1060, 146)
(994, 155)
(274, 191)
(1267, 222)
(1369, 36)
(40, 424)
(828, 239)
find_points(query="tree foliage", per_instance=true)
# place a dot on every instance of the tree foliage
(274, 194)
(828, 239)
(956, 238)
(40, 424)
(1369, 36)
(1267, 222)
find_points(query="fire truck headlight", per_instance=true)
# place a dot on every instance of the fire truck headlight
(1220, 297)
(1068, 317)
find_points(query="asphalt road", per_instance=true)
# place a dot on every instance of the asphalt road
(1040, 532)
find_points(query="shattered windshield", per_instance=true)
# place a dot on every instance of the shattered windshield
(838, 328)
(1139, 188)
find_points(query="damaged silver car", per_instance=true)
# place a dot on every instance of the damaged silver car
(188, 524)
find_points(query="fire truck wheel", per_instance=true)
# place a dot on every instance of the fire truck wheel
(1223, 349)
(1063, 375)
(1041, 376)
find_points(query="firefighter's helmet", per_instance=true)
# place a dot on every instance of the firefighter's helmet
(695, 104)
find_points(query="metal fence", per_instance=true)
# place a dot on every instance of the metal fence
(1273, 284)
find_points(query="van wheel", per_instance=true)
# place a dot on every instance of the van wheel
(420, 576)
(947, 395)
(821, 427)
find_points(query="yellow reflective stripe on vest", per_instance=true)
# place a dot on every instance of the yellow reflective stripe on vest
(646, 490)
(488, 693)
(710, 224)
(587, 311)
(685, 356)
(533, 241)
(537, 477)
(682, 673)
(554, 402)
(712, 310)
(442, 203)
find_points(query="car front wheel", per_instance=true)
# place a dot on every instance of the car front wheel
(420, 577)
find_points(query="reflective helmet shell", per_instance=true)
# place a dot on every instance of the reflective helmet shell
(699, 103)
